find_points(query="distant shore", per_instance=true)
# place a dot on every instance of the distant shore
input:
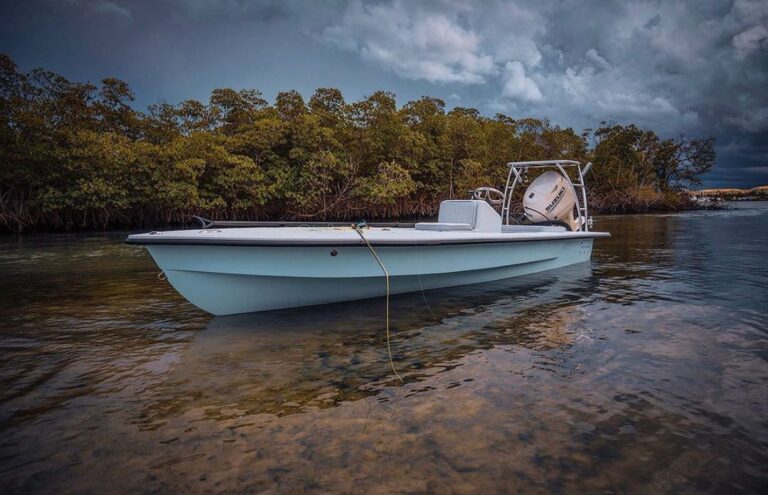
(668, 203)
(759, 193)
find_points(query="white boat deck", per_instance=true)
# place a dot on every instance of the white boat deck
(348, 236)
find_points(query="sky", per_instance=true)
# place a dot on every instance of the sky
(696, 67)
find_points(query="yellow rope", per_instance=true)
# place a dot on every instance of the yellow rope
(386, 277)
(421, 287)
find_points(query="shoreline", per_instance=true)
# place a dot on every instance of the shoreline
(178, 226)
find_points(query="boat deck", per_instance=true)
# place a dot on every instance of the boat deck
(337, 236)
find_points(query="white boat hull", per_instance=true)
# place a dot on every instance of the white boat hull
(225, 280)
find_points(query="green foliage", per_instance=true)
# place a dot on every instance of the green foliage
(632, 159)
(390, 184)
(76, 155)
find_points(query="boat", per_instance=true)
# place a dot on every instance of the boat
(231, 267)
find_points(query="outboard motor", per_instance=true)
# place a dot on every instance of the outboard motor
(550, 199)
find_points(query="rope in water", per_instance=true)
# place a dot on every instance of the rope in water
(386, 277)
(421, 288)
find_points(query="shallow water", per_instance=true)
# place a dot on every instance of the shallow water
(646, 371)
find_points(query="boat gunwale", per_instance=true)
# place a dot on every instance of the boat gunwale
(144, 241)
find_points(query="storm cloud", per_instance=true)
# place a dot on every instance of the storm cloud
(695, 67)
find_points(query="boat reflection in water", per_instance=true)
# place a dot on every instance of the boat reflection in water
(285, 361)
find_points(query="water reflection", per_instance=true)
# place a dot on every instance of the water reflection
(284, 362)
(645, 372)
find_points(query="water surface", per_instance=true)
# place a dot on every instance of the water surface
(644, 371)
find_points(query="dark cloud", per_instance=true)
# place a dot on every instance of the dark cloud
(699, 67)
(113, 10)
